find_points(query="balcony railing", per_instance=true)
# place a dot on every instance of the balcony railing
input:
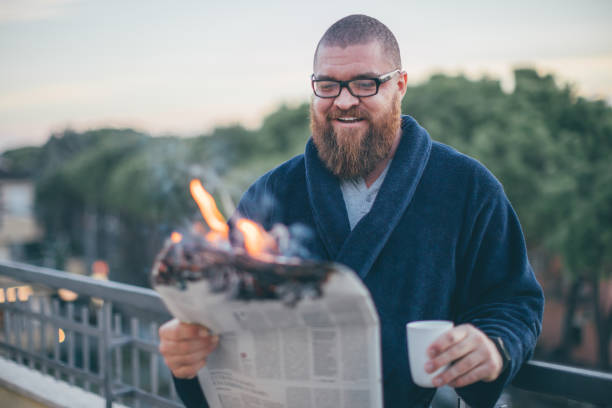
(106, 340)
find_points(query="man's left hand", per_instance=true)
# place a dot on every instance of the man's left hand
(473, 354)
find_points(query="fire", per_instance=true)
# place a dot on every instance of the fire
(256, 239)
(176, 237)
(208, 208)
(214, 236)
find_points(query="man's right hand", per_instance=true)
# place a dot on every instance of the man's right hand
(185, 347)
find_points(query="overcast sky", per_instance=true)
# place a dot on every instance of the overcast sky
(183, 67)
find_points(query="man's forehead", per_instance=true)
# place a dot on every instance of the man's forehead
(354, 75)
(355, 59)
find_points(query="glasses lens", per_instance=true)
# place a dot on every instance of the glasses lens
(363, 87)
(326, 88)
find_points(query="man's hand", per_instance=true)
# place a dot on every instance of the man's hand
(473, 354)
(185, 347)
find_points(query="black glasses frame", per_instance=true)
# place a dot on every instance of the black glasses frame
(346, 84)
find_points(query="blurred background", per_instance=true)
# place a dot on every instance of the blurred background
(108, 108)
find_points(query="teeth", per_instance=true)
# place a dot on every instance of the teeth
(348, 119)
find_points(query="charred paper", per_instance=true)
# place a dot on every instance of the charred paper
(240, 276)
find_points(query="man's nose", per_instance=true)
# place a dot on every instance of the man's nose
(345, 100)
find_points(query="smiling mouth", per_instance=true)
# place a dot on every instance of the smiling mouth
(349, 120)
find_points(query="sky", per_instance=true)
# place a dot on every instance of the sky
(184, 67)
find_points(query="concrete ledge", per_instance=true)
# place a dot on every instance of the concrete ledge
(22, 387)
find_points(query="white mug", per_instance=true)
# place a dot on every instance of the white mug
(420, 335)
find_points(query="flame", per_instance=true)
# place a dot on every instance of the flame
(208, 208)
(214, 236)
(256, 239)
(61, 336)
(176, 237)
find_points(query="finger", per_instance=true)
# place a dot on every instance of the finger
(459, 369)
(189, 331)
(181, 347)
(448, 339)
(181, 360)
(207, 345)
(177, 330)
(478, 373)
(166, 328)
(453, 353)
(189, 371)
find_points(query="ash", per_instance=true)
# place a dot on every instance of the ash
(232, 271)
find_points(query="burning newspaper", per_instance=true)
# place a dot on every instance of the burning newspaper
(293, 332)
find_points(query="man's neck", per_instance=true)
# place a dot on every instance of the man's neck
(380, 167)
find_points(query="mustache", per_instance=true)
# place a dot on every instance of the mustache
(354, 112)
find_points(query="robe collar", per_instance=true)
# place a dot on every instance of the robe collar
(360, 247)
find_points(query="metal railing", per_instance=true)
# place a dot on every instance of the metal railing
(114, 330)
(578, 384)
(105, 341)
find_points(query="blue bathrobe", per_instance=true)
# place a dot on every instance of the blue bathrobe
(440, 242)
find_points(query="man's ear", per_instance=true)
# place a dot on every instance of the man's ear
(402, 82)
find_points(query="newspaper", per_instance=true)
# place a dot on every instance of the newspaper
(323, 352)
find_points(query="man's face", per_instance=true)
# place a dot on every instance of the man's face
(352, 134)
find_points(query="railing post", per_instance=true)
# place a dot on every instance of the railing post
(106, 363)
(55, 311)
(30, 333)
(85, 346)
(134, 332)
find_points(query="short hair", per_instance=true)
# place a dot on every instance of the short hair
(360, 29)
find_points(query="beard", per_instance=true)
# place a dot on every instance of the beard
(354, 153)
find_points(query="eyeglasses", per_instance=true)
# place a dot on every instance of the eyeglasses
(360, 87)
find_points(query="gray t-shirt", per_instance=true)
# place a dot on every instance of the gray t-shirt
(359, 198)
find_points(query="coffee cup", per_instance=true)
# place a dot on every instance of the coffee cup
(420, 335)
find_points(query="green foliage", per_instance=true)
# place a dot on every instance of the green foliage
(20, 162)
(88, 173)
(151, 185)
(223, 148)
(451, 108)
(285, 129)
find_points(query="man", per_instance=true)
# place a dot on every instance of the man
(429, 230)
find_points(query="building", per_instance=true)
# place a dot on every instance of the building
(18, 225)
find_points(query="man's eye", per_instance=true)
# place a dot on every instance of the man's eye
(327, 86)
(365, 84)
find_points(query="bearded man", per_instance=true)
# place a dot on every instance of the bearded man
(429, 230)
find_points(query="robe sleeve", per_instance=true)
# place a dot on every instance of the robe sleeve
(190, 392)
(499, 292)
